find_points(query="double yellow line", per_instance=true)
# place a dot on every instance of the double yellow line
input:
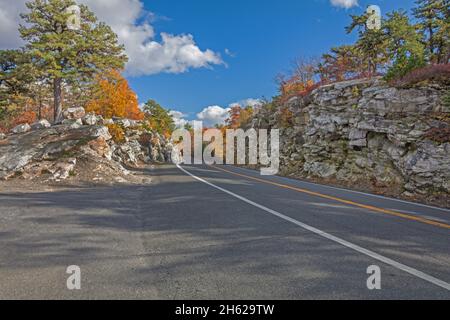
(352, 203)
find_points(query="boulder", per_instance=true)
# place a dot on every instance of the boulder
(2, 136)
(124, 123)
(74, 113)
(73, 123)
(63, 169)
(48, 144)
(103, 132)
(320, 169)
(54, 151)
(129, 153)
(107, 122)
(101, 147)
(356, 134)
(358, 143)
(91, 119)
(41, 124)
(22, 128)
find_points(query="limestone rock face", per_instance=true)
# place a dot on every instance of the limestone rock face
(56, 150)
(43, 145)
(364, 130)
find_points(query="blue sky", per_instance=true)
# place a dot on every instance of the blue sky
(264, 36)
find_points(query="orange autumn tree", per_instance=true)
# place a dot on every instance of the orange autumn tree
(113, 97)
(239, 117)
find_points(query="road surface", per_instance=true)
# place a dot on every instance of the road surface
(202, 232)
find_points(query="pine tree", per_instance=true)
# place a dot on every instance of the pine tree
(403, 45)
(434, 25)
(158, 118)
(66, 54)
(371, 43)
(17, 75)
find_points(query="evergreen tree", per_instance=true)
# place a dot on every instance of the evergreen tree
(371, 43)
(158, 118)
(404, 47)
(16, 77)
(66, 54)
(434, 25)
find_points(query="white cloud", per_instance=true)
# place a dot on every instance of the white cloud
(228, 52)
(249, 103)
(9, 23)
(179, 118)
(347, 4)
(132, 23)
(213, 115)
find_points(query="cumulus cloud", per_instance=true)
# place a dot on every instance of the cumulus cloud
(347, 4)
(179, 118)
(9, 23)
(213, 115)
(249, 103)
(132, 23)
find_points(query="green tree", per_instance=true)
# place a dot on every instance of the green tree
(404, 47)
(434, 25)
(17, 76)
(371, 43)
(66, 54)
(158, 118)
(14, 76)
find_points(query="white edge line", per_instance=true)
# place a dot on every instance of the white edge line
(357, 192)
(374, 255)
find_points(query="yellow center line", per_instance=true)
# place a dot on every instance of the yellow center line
(352, 203)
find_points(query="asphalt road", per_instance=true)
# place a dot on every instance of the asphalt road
(220, 233)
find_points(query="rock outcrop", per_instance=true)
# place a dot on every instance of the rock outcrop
(57, 152)
(365, 131)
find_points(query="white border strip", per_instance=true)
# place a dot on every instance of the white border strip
(393, 263)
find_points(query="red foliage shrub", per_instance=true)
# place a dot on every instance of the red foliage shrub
(440, 135)
(293, 88)
(25, 117)
(435, 72)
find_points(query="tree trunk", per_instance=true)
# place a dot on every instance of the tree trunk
(57, 95)
(40, 109)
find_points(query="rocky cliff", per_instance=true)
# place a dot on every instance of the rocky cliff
(83, 147)
(386, 139)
